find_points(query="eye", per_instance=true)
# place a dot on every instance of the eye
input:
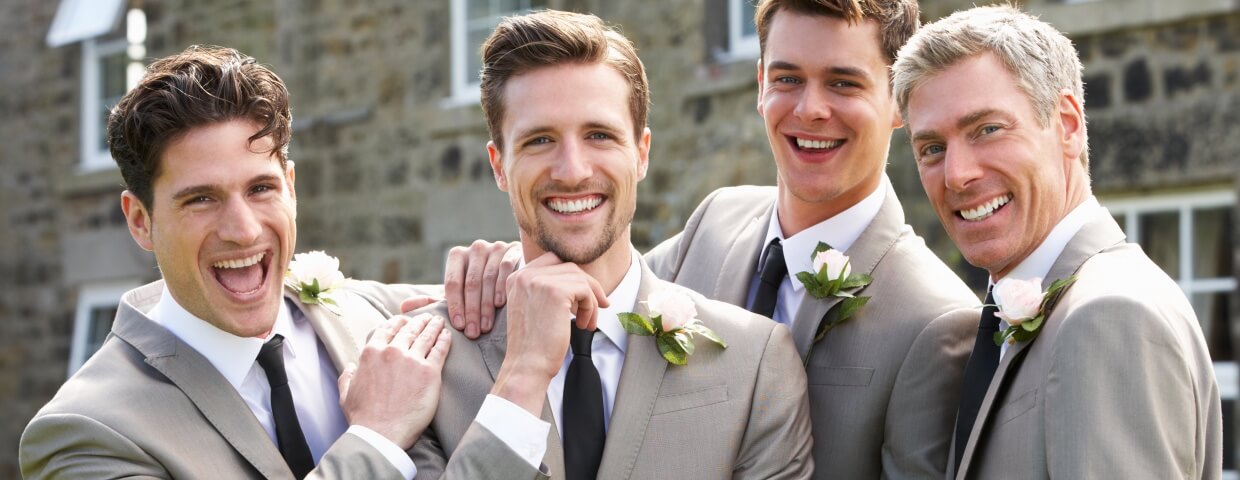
(845, 84)
(542, 140)
(262, 188)
(598, 136)
(787, 80)
(930, 153)
(988, 129)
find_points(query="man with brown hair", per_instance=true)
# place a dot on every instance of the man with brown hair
(566, 100)
(218, 370)
(883, 384)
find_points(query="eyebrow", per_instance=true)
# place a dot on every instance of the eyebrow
(964, 122)
(195, 190)
(837, 70)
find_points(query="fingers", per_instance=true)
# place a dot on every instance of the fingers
(415, 302)
(427, 338)
(454, 285)
(439, 353)
(506, 266)
(382, 335)
(486, 303)
(406, 336)
(345, 380)
(474, 293)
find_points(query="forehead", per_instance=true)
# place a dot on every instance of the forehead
(566, 96)
(823, 40)
(215, 154)
(976, 84)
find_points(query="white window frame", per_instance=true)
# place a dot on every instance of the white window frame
(740, 45)
(90, 297)
(465, 85)
(94, 157)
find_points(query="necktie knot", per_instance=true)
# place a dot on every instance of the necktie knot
(271, 359)
(775, 269)
(580, 340)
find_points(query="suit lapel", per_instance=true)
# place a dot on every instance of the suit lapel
(640, 379)
(741, 262)
(203, 385)
(341, 337)
(1098, 234)
(864, 254)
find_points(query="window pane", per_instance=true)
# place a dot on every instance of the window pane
(1214, 312)
(100, 326)
(481, 18)
(1160, 238)
(747, 12)
(476, 9)
(473, 58)
(111, 89)
(1122, 220)
(1212, 242)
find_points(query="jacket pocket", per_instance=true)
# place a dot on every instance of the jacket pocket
(684, 401)
(1015, 408)
(840, 376)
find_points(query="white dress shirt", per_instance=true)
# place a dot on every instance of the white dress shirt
(839, 231)
(1038, 264)
(311, 376)
(525, 433)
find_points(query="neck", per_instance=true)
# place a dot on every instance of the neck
(608, 269)
(797, 214)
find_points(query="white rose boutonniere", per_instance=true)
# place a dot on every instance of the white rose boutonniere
(1023, 306)
(314, 276)
(832, 277)
(673, 323)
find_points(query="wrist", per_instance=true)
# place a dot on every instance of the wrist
(524, 389)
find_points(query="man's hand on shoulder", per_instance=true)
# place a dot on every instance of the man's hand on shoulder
(474, 284)
(394, 388)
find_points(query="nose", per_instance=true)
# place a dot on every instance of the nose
(813, 105)
(573, 163)
(961, 168)
(239, 223)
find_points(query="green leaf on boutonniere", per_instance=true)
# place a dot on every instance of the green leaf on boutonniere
(856, 280)
(708, 333)
(671, 349)
(636, 324)
(1029, 328)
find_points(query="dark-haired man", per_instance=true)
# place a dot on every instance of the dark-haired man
(218, 371)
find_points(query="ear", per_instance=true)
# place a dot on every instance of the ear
(1072, 125)
(897, 121)
(643, 152)
(139, 220)
(289, 176)
(761, 77)
(497, 166)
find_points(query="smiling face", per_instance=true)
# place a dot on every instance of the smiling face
(571, 160)
(998, 179)
(222, 227)
(826, 101)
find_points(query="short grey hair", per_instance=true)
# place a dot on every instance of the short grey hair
(1041, 58)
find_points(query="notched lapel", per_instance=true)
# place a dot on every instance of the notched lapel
(741, 262)
(342, 335)
(640, 380)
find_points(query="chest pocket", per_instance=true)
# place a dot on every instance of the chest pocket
(684, 401)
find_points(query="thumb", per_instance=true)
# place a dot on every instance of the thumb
(415, 302)
(345, 379)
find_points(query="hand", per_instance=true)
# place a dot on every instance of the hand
(394, 387)
(543, 298)
(474, 283)
(417, 301)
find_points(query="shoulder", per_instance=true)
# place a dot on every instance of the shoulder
(741, 200)
(115, 375)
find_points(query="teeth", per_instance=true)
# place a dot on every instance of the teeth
(818, 144)
(986, 209)
(575, 206)
(240, 263)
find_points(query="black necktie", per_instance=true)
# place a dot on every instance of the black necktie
(773, 273)
(977, 374)
(288, 430)
(584, 433)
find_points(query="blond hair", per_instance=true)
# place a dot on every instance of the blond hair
(1041, 58)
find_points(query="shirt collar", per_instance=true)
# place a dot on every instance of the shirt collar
(1039, 263)
(231, 355)
(622, 299)
(839, 231)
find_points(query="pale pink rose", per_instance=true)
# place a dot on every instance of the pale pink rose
(306, 267)
(676, 308)
(1018, 300)
(835, 261)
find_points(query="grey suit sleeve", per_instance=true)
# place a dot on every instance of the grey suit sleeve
(1119, 396)
(75, 446)
(352, 457)
(386, 298)
(777, 442)
(922, 410)
(481, 455)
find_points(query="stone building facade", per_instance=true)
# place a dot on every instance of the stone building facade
(392, 169)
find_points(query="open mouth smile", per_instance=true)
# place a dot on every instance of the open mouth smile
(243, 276)
(985, 210)
(575, 206)
(811, 145)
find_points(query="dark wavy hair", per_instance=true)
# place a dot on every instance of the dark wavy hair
(201, 86)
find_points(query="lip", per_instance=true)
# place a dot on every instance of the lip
(814, 156)
(579, 216)
(245, 297)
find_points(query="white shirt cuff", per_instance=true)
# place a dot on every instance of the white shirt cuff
(518, 429)
(394, 455)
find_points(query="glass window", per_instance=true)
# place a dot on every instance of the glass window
(111, 65)
(742, 33)
(472, 23)
(1212, 242)
(1160, 238)
(92, 322)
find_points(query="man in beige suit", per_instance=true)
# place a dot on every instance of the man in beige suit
(883, 385)
(566, 100)
(1106, 377)
(218, 370)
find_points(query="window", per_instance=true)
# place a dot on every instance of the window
(92, 321)
(111, 65)
(742, 33)
(472, 22)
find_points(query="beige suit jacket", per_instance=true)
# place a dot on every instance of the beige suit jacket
(1118, 383)
(146, 405)
(883, 386)
(739, 412)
